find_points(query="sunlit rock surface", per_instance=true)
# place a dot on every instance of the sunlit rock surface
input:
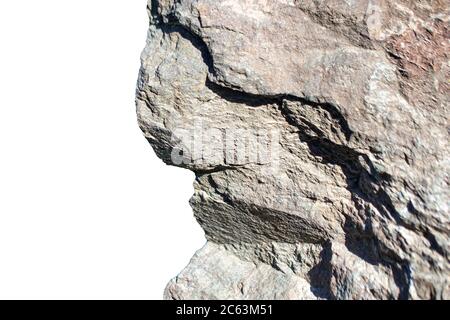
(319, 135)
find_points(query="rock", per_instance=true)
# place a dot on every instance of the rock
(318, 133)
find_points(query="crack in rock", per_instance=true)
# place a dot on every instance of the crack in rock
(351, 200)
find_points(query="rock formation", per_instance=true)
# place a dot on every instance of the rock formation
(318, 131)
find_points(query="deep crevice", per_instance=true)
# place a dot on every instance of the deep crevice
(363, 243)
(321, 147)
(234, 95)
(320, 275)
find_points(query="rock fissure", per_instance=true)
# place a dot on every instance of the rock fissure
(348, 199)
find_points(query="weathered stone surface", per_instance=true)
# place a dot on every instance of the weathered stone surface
(318, 132)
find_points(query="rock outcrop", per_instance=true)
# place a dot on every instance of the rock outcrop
(318, 131)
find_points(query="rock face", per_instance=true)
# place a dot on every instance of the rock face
(318, 131)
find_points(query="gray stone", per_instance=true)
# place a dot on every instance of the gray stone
(318, 133)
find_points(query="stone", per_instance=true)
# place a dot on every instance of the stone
(318, 133)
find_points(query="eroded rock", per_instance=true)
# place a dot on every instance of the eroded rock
(318, 133)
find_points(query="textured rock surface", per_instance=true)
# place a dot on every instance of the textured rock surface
(318, 132)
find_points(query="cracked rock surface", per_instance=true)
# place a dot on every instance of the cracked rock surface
(318, 131)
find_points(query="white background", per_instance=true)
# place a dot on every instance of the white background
(87, 211)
